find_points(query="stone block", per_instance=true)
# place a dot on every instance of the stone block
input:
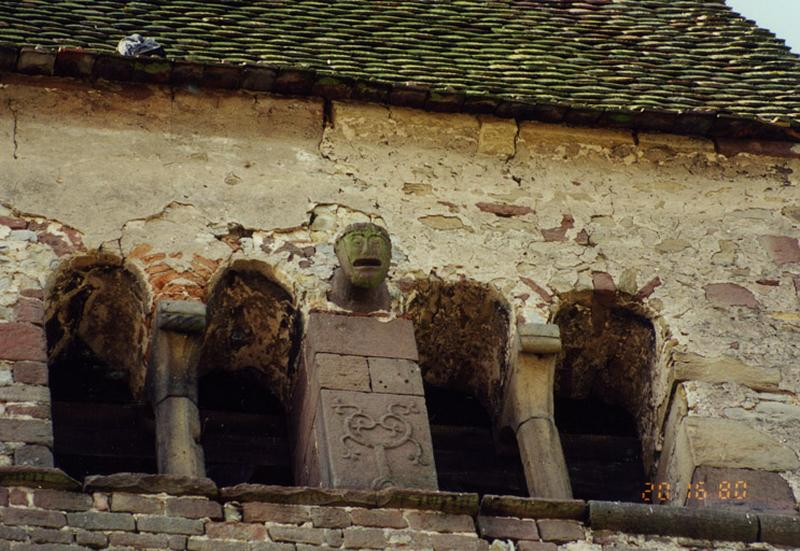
(50, 535)
(12, 533)
(665, 520)
(29, 310)
(507, 528)
(360, 336)
(168, 525)
(330, 517)
(203, 544)
(497, 137)
(275, 512)
(358, 537)
(338, 372)
(740, 488)
(313, 536)
(236, 531)
(373, 441)
(780, 529)
(24, 393)
(271, 546)
(102, 521)
(95, 540)
(65, 501)
(560, 530)
(395, 376)
(433, 521)
(22, 341)
(536, 546)
(720, 369)
(524, 507)
(151, 484)
(782, 248)
(12, 516)
(727, 443)
(194, 507)
(31, 431)
(34, 455)
(132, 503)
(139, 541)
(379, 518)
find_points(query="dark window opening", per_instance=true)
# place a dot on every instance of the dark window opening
(601, 448)
(244, 434)
(98, 427)
(469, 457)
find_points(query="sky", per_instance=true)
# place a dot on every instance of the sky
(782, 17)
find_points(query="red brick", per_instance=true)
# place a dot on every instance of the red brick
(17, 496)
(13, 223)
(64, 501)
(439, 522)
(194, 507)
(37, 412)
(275, 512)
(32, 293)
(508, 528)
(32, 373)
(22, 341)
(730, 294)
(504, 209)
(236, 531)
(783, 249)
(379, 518)
(560, 531)
(601, 281)
(32, 517)
(3, 497)
(29, 310)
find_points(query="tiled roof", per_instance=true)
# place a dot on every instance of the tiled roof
(606, 59)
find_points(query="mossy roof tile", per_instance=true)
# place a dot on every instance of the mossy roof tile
(669, 55)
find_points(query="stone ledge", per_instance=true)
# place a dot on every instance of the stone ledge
(780, 529)
(529, 507)
(665, 520)
(37, 477)
(151, 484)
(400, 498)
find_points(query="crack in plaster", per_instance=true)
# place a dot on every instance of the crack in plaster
(15, 120)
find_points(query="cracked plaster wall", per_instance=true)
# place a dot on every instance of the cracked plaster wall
(182, 183)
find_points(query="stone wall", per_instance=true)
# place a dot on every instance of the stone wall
(179, 185)
(121, 513)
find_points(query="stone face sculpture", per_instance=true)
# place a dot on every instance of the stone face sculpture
(364, 251)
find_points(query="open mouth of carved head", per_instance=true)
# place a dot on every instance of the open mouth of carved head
(367, 262)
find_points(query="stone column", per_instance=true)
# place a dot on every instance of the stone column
(528, 410)
(172, 382)
(358, 411)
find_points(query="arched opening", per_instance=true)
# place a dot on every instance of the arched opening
(244, 374)
(95, 324)
(603, 387)
(462, 334)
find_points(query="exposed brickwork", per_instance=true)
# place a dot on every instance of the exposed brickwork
(273, 512)
(31, 373)
(508, 528)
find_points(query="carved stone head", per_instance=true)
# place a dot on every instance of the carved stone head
(364, 251)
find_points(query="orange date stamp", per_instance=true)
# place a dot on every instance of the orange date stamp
(734, 490)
